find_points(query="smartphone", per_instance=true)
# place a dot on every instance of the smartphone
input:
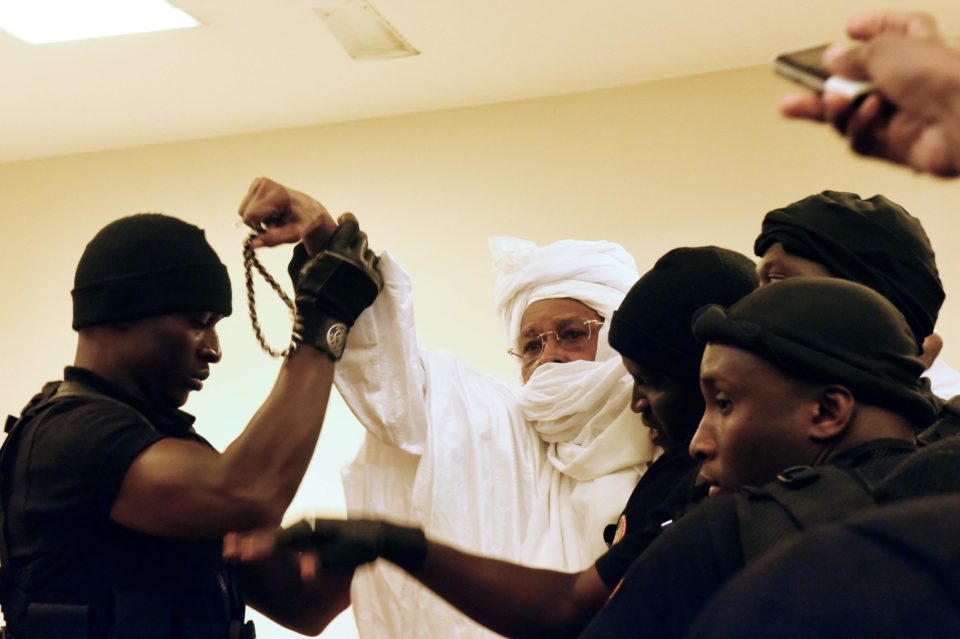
(805, 67)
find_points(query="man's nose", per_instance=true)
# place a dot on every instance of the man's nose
(703, 446)
(552, 350)
(639, 403)
(210, 348)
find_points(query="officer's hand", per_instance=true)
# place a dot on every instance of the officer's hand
(334, 287)
(249, 546)
(341, 280)
(343, 545)
(284, 216)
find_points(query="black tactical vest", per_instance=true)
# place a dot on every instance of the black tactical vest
(122, 585)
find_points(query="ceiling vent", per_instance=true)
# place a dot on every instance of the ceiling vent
(362, 31)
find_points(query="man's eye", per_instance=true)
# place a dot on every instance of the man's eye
(202, 321)
(722, 402)
(532, 346)
(573, 335)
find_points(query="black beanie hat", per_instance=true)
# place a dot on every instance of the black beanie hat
(827, 330)
(874, 242)
(148, 264)
(652, 324)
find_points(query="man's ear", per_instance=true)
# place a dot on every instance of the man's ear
(932, 346)
(834, 413)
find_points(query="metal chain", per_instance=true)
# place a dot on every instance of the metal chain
(250, 262)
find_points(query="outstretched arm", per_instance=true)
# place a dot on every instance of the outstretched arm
(513, 600)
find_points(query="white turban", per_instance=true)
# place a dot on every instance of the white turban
(599, 274)
(581, 409)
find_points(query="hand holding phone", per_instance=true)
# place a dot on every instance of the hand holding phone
(805, 67)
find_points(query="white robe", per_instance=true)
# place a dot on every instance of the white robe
(944, 380)
(448, 448)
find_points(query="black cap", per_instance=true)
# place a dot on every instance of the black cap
(148, 264)
(874, 242)
(827, 330)
(652, 324)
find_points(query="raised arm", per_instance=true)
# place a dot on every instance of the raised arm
(382, 376)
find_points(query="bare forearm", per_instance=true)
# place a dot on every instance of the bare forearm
(513, 600)
(332, 288)
(951, 118)
(274, 588)
(268, 460)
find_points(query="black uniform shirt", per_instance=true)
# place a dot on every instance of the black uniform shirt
(664, 491)
(890, 572)
(668, 584)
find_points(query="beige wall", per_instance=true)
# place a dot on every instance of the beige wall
(690, 161)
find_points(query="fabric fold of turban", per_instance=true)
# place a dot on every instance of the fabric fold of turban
(874, 242)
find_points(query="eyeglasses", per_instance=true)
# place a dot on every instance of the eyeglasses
(572, 337)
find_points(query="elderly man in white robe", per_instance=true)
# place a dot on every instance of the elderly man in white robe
(529, 473)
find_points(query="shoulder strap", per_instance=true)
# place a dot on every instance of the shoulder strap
(10, 596)
(13, 428)
(946, 425)
(52, 392)
(801, 496)
(932, 470)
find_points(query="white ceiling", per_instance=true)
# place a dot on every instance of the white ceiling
(259, 65)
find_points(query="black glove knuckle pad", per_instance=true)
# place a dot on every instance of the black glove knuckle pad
(299, 259)
(335, 285)
(346, 544)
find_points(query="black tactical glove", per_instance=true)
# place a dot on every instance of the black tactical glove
(344, 544)
(333, 287)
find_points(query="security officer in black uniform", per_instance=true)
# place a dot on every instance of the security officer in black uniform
(113, 507)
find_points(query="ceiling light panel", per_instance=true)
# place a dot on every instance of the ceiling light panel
(44, 21)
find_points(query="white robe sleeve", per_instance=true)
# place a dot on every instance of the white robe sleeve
(944, 380)
(381, 376)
